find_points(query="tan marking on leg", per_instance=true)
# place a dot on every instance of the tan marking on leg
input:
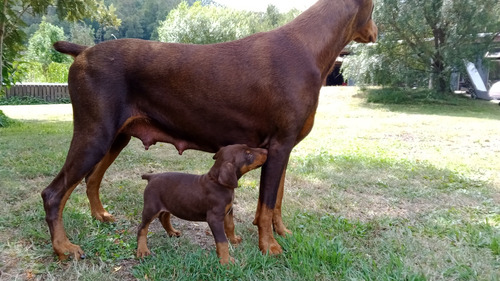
(167, 225)
(279, 226)
(229, 226)
(267, 243)
(222, 249)
(95, 178)
(142, 242)
(60, 242)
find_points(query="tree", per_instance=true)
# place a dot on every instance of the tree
(107, 20)
(422, 41)
(40, 45)
(82, 34)
(200, 24)
(11, 24)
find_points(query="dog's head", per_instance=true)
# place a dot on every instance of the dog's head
(233, 161)
(365, 29)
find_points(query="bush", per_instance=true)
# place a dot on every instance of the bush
(30, 100)
(408, 96)
(57, 72)
(33, 72)
(5, 121)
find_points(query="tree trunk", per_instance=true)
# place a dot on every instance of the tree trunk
(3, 23)
(438, 65)
(439, 81)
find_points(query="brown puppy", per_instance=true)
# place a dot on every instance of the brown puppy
(208, 197)
(261, 91)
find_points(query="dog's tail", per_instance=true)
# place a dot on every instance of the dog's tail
(146, 176)
(69, 48)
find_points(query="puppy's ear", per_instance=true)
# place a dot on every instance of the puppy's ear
(216, 155)
(227, 175)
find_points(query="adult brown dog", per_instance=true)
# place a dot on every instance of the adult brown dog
(261, 90)
(208, 197)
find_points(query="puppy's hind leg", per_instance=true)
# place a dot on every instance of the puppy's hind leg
(148, 215)
(229, 228)
(167, 225)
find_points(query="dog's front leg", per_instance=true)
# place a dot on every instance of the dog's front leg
(279, 226)
(216, 224)
(270, 179)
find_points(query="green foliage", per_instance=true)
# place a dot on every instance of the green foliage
(52, 73)
(5, 121)
(57, 72)
(33, 72)
(423, 41)
(12, 36)
(81, 33)
(204, 24)
(40, 45)
(409, 96)
(107, 19)
(200, 24)
(11, 46)
(22, 101)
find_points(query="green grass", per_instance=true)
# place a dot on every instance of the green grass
(377, 191)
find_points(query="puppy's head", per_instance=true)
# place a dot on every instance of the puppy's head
(233, 161)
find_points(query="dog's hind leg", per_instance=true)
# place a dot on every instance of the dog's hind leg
(94, 179)
(167, 225)
(85, 152)
(229, 228)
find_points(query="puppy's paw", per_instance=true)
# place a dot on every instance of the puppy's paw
(226, 260)
(143, 252)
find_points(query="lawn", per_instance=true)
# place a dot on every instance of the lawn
(375, 192)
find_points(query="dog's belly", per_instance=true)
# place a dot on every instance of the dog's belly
(151, 132)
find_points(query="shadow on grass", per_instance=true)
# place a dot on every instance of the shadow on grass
(424, 102)
(402, 178)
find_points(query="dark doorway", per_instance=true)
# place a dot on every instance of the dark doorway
(335, 78)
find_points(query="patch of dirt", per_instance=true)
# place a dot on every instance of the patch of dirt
(197, 232)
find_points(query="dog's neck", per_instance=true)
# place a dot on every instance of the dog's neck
(325, 30)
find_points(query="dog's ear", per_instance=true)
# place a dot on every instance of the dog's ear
(227, 175)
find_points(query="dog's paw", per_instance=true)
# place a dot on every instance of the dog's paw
(235, 240)
(282, 230)
(104, 217)
(143, 252)
(227, 260)
(270, 247)
(174, 233)
(67, 250)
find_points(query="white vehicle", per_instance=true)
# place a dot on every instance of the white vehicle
(477, 88)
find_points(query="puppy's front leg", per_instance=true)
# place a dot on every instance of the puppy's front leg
(222, 246)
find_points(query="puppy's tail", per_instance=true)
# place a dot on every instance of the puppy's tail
(146, 176)
(69, 48)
